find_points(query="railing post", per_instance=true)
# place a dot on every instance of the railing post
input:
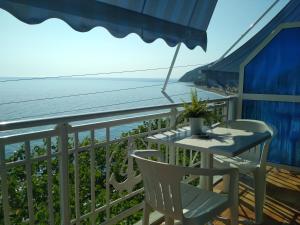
(107, 163)
(172, 149)
(93, 178)
(64, 173)
(4, 185)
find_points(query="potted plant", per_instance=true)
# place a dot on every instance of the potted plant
(197, 112)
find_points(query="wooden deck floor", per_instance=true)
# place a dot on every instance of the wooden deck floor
(282, 204)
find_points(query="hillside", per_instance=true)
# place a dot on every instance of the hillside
(215, 80)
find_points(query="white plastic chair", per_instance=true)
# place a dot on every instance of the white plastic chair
(166, 193)
(252, 162)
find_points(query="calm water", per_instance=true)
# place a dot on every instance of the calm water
(105, 100)
(33, 89)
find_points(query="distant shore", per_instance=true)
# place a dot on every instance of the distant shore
(217, 90)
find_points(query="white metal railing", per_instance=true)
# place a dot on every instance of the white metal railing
(79, 174)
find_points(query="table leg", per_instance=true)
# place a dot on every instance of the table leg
(206, 162)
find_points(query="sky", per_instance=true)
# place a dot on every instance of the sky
(53, 48)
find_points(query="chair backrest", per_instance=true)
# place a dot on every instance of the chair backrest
(260, 153)
(162, 185)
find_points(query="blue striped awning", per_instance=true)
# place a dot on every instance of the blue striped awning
(172, 20)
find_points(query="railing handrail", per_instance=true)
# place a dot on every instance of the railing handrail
(20, 124)
(65, 147)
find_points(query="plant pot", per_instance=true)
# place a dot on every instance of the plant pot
(197, 126)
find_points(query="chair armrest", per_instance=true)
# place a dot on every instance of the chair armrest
(233, 174)
(148, 153)
(209, 172)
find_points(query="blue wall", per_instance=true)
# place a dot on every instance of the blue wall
(276, 70)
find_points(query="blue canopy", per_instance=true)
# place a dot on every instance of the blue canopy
(290, 13)
(172, 20)
(230, 65)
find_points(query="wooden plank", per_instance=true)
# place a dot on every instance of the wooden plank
(286, 210)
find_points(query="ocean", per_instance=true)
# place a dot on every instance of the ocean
(98, 94)
(32, 99)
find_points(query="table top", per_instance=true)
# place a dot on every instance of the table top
(222, 141)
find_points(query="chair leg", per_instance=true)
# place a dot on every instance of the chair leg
(226, 181)
(260, 192)
(234, 213)
(234, 210)
(146, 211)
(169, 220)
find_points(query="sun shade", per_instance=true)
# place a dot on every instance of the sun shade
(290, 13)
(172, 20)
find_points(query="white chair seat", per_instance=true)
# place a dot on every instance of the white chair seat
(199, 205)
(244, 165)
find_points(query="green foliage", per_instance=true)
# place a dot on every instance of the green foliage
(196, 108)
(17, 179)
(199, 109)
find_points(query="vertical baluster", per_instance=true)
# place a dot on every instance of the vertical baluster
(167, 154)
(168, 123)
(77, 179)
(64, 173)
(130, 145)
(49, 180)
(4, 185)
(149, 131)
(159, 124)
(191, 158)
(29, 182)
(162, 156)
(107, 161)
(172, 157)
(163, 159)
(177, 155)
(173, 118)
(92, 165)
(227, 109)
(184, 157)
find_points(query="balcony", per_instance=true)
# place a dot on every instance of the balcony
(75, 169)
